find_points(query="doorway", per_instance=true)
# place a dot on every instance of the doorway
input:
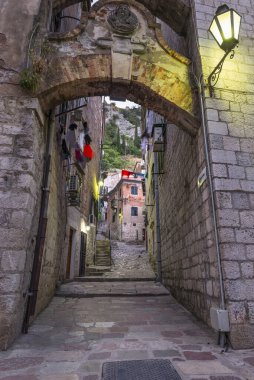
(68, 264)
(82, 262)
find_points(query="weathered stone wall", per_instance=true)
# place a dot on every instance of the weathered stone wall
(54, 240)
(188, 255)
(186, 227)
(22, 144)
(131, 232)
(230, 118)
(16, 19)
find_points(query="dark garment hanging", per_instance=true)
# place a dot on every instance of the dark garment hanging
(73, 126)
(65, 149)
(87, 139)
(86, 128)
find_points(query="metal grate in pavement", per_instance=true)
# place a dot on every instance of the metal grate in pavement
(152, 369)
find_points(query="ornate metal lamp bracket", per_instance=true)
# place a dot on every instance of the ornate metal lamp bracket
(215, 74)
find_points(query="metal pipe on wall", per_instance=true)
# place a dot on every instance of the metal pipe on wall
(200, 85)
(222, 336)
(157, 210)
(42, 227)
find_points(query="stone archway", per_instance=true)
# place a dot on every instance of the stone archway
(118, 49)
(173, 12)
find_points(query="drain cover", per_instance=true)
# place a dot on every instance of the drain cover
(154, 369)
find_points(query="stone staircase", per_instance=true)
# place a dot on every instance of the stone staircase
(96, 271)
(103, 253)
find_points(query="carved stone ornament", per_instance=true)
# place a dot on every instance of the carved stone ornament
(122, 20)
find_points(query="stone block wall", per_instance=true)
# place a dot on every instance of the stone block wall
(131, 232)
(230, 120)
(188, 265)
(189, 259)
(55, 232)
(22, 143)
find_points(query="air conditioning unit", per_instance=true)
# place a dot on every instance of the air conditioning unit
(74, 183)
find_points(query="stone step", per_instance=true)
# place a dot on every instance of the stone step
(121, 289)
(109, 279)
(96, 272)
(103, 242)
(103, 263)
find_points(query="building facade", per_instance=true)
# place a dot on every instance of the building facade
(49, 178)
(125, 210)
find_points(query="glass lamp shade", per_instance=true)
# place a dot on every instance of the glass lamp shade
(225, 27)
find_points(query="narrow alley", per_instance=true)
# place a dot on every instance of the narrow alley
(115, 320)
(127, 190)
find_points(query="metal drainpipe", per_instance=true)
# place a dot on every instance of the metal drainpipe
(200, 85)
(217, 246)
(157, 210)
(42, 227)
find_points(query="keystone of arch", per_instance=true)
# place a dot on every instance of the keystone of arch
(98, 58)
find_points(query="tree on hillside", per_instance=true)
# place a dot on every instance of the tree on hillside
(118, 140)
(136, 138)
(118, 148)
(123, 145)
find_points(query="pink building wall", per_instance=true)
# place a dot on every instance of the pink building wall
(122, 224)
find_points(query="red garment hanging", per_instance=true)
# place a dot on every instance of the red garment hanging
(126, 173)
(88, 152)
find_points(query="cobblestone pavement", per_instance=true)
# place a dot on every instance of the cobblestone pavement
(129, 260)
(72, 338)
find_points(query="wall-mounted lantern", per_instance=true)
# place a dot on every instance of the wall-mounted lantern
(225, 28)
(103, 191)
(114, 204)
(158, 135)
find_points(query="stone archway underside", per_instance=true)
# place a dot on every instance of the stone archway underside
(98, 59)
(173, 12)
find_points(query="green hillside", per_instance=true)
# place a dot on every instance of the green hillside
(119, 148)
